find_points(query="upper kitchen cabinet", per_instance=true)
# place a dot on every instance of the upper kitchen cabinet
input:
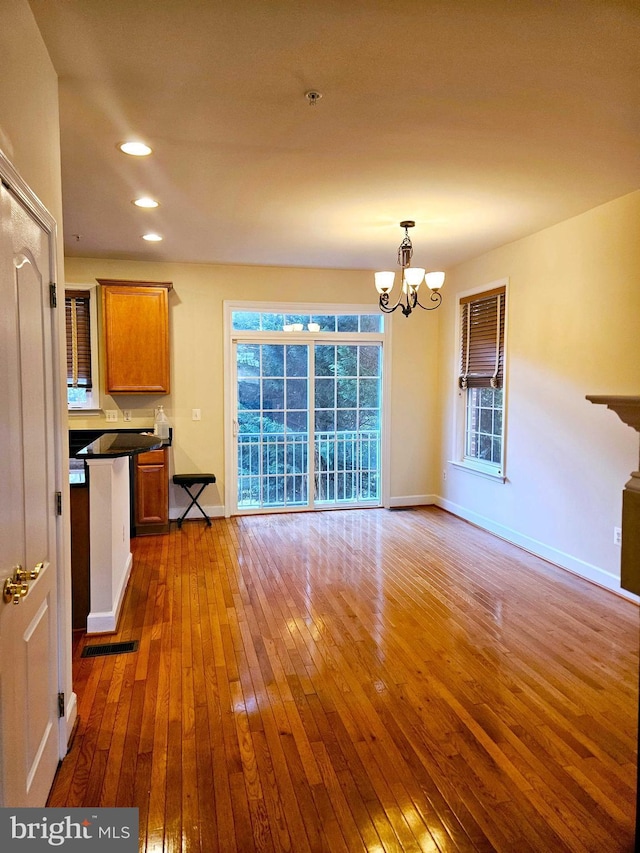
(135, 324)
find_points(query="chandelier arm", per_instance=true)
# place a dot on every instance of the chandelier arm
(405, 308)
(384, 304)
(436, 298)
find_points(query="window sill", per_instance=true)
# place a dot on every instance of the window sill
(489, 473)
(85, 413)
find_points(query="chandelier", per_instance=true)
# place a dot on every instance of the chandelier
(412, 278)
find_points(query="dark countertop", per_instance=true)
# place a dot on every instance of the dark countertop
(79, 438)
(113, 444)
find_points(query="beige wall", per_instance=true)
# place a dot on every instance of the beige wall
(30, 140)
(197, 349)
(573, 329)
(29, 127)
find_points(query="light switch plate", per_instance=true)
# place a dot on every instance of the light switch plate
(111, 414)
(195, 415)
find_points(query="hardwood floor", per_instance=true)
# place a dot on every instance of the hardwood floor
(360, 681)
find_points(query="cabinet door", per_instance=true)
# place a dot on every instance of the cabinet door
(136, 337)
(152, 492)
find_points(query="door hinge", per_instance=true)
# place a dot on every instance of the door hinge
(53, 295)
(61, 704)
(58, 503)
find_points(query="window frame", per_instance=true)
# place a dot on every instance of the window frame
(459, 460)
(92, 406)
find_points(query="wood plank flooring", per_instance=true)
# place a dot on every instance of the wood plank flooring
(360, 681)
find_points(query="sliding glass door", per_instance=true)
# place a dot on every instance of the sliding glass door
(307, 422)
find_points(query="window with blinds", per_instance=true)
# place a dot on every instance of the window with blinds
(78, 322)
(482, 323)
(482, 339)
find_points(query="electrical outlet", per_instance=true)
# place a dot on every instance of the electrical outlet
(126, 415)
(111, 415)
(195, 414)
(444, 475)
(617, 536)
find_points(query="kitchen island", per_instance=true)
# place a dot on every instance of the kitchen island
(110, 556)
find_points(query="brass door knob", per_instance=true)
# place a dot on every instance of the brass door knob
(14, 590)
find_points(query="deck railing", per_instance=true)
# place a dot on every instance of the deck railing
(273, 468)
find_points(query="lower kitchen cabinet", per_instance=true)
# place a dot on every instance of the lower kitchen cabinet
(151, 472)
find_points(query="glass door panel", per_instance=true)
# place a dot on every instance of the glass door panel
(347, 415)
(272, 425)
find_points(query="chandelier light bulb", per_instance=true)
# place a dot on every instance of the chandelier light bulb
(384, 281)
(434, 280)
(414, 276)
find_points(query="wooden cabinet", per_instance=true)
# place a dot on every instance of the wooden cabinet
(135, 324)
(151, 489)
(79, 556)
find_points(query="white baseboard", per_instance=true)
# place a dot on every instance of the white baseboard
(105, 622)
(101, 623)
(212, 511)
(539, 549)
(412, 500)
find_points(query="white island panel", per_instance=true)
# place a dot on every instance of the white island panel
(110, 531)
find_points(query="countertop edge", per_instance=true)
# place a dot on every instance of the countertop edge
(147, 442)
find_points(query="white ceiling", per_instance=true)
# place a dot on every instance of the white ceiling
(483, 121)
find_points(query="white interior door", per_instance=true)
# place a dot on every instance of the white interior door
(29, 746)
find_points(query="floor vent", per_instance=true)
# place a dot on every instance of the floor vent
(109, 649)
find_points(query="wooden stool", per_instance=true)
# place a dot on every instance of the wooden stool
(186, 481)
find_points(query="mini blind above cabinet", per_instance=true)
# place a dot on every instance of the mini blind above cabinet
(135, 324)
(78, 326)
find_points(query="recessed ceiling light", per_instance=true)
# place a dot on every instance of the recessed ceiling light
(136, 149)
(152, 238)
(145, 201)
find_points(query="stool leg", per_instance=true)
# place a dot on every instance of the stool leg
(194, 500)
